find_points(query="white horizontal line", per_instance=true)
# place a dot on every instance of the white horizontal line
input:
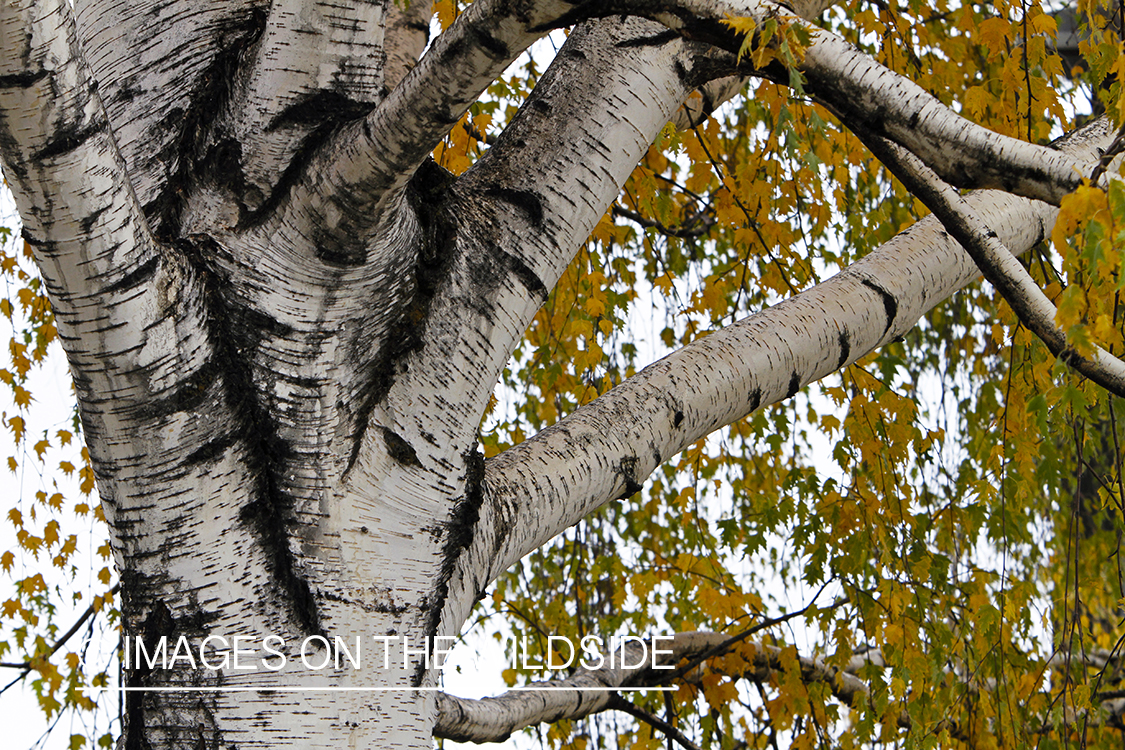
(330, 689)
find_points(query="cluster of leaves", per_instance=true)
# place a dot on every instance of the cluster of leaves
(50, 578)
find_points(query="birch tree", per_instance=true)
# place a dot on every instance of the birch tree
(291, 249)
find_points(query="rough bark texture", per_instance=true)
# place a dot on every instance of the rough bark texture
(284, 321)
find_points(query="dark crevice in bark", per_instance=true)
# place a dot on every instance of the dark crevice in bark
(194, 126)
(528, 203)
(234, 331)
(316, 109)
(845, 342)
(399, 449)
(496, 48)
(794, 385)
(890, 304)
(159, 624)
(755, 399)
(461, 529)
(88, 222)
(627, 470)
(326, 113)
(22, 80)
(68, 138)
(652, 40)
(138, 276)
(523, 272)
(427, 195)
(188, 395)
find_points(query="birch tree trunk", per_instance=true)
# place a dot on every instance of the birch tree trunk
(284, 321)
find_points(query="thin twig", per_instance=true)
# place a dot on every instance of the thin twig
(90, 611)
(618, 703)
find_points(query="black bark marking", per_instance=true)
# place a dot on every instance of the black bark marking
(653, 40)
(461, 529)
(682, 73)
(326, 112)
(87, 222)
(427, 195)
(627, 470)
(234, 331)
(68, 139)
(523, 272)
(677, 418)
(22, 80)
(159, 624)
(194, 126)
(496, 48)
(139, 275)
(211, 450)
(890, 304)
(794, 385)
(527, 202)
(755, 399)
(316, 109)
(188, 395)
(845, 341)
(399, 449)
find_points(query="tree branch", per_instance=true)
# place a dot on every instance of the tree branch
(860, 90)
(522, 212)
(605, 449)
(494, 719)
(368, 164)
(996, 262)
(617, 703)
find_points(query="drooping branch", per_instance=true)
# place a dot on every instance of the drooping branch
(997, 263)
(859, 90)
(605, 449)
(585, 692)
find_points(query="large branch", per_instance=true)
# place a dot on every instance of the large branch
(516, 219)
(860, 90)
(606, 449)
